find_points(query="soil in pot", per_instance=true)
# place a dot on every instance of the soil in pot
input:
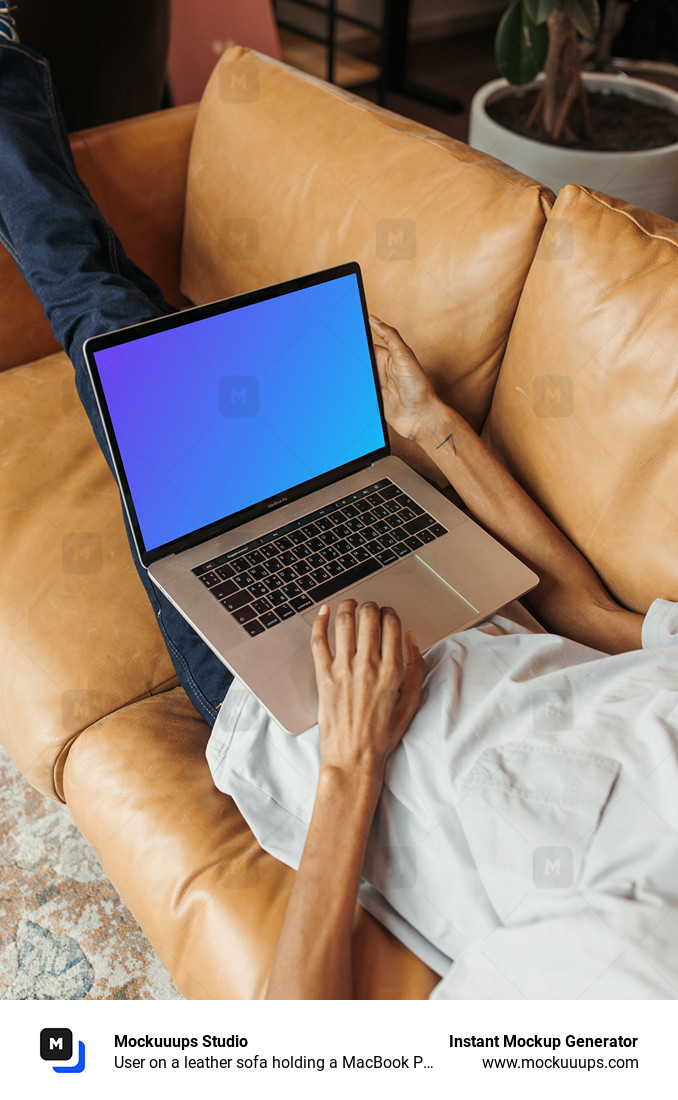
(620, 124)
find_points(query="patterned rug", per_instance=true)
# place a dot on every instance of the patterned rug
(64, 932)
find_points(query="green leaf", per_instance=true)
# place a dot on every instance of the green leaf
(585, 14)
(539, 10)
(520, 45)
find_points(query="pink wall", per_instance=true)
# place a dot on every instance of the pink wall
(203, 29)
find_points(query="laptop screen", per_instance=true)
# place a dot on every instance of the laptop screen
(215, 415)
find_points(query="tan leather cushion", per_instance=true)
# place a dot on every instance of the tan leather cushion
(288, 175)
(182, 857)
(585, 410)
(78, 637)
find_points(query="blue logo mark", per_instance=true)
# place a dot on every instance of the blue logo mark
(56, 1045)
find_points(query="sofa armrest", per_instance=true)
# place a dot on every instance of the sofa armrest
(136, 172)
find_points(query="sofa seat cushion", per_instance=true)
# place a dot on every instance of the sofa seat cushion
(77, 635)
(585, 410)
(288, 175)
(182, 857)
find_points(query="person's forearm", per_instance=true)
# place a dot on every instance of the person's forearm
(313, 957)
(570, 599)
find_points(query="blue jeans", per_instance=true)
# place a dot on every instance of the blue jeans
(77, 268)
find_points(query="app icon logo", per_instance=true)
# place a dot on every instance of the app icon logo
(56, 1045)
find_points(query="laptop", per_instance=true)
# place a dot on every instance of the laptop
(249, 441)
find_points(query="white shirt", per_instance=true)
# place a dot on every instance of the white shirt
(526, 841)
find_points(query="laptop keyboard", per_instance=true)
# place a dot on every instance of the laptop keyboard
(306, 562)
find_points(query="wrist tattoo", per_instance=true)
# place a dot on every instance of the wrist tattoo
(445, 440)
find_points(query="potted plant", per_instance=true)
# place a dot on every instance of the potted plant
(555, 126)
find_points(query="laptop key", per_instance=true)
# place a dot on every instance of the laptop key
(291, 590)
(330, 553)
(226, 571)
(420, 523)
(244, 614)
(348, 561)
(235, 602)
(350, 577)
(258, 591)
(335, 568)
(427, 536)
(389, 491)
(277, 598)
(208, 579)
(320, 575)
(244, 578)
(259, 572)
(262, 605)
(269, 551)
(307, 582)
(285, 611)
(254, 557)
(288, 574)
(438, 530)
(401, 549)
(300, 603)
(223, 589)
(289, 557)
(269, 619)
(413, 542)
(254, 627)
(386, 557)
(297, 537)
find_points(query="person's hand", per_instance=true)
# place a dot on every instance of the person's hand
(368, 692)
(409, 397)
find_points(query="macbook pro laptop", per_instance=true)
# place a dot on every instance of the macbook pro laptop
(250, 445)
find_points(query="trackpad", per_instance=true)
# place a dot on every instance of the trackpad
(424, 602)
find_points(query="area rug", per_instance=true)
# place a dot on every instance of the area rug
(64, 932)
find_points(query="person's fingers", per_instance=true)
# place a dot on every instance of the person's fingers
(369, 631)
(320, 649)
(392, 642)
(391, 337)
(411, 684)
(344, 631)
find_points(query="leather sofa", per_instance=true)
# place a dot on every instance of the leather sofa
(551, 326)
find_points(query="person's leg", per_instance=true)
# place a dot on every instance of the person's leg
(78, 269)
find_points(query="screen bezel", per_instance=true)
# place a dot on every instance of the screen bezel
(196, 313)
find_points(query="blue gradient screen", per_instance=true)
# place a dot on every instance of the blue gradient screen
(219, 414)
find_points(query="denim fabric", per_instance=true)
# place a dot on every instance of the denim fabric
(77, 268)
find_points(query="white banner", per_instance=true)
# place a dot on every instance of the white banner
(300, 1049)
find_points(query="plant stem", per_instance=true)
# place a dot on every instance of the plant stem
(563, 84)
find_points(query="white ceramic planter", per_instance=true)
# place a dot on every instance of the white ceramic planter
(648, 178)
